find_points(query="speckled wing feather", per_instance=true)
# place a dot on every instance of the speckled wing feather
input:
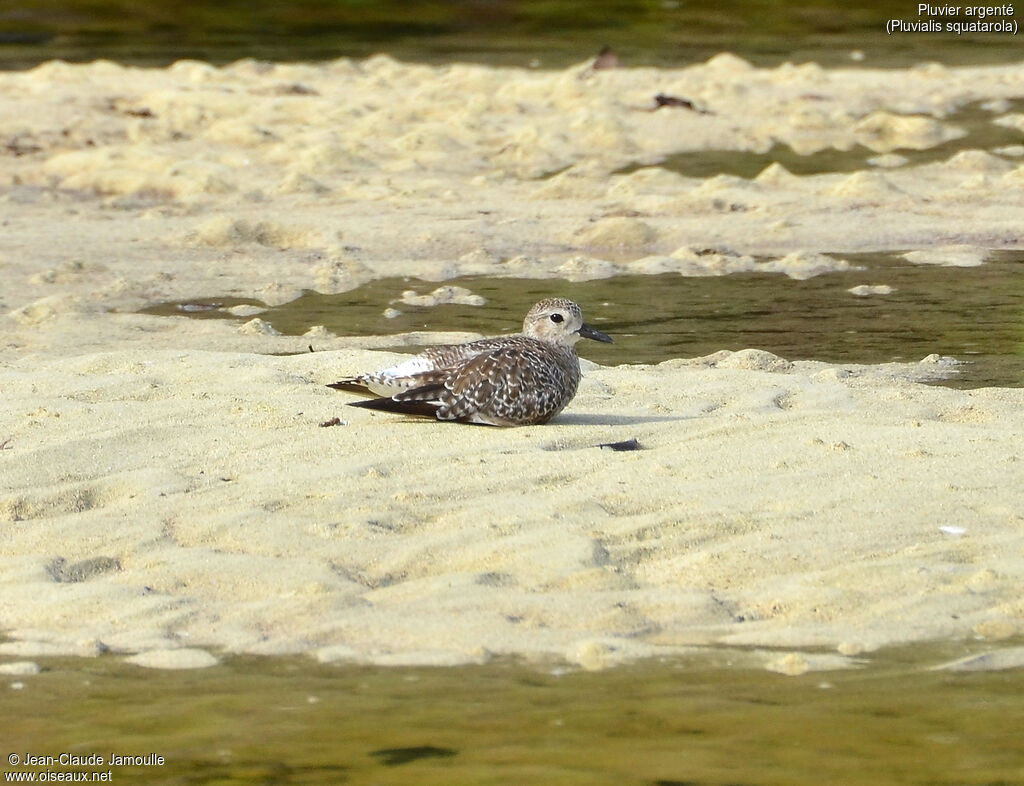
(448, 355)
(430, 366)
(519, 381)
(352, 385)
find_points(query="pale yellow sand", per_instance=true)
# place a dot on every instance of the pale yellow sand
(166, 485)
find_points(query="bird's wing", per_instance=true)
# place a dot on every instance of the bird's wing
(429, 367)
(512, 383)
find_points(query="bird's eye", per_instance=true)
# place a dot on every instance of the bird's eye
(556, 318)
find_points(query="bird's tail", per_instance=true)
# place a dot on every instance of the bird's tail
(351, 385)
(416, 408)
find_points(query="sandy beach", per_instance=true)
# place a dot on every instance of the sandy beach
(168, 490)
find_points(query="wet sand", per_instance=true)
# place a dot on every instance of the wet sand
(167, 490)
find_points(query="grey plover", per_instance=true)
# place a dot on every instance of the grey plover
(515, 380)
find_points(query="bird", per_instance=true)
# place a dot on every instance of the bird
(515, 380)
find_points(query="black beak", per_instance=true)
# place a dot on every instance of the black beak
(588, 332)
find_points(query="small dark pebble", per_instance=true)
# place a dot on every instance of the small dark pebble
(20, 148)
(495, 579)
(629, 444)
(331, 422)
(682, 103)
(392, 757)
(295, 89)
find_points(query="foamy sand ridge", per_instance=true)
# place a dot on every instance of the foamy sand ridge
(165, 484)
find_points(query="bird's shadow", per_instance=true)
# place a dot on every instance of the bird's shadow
(578, 419)
(595, 419)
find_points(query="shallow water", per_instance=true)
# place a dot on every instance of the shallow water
(973, 314)
(698, 720)
(548, 33)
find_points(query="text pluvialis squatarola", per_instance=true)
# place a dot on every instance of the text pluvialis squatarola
(516, 380)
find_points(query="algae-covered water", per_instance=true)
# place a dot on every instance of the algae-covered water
(709, 719)
(540, 33)
(974, 314)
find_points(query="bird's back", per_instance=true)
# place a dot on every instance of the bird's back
(517, 381)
